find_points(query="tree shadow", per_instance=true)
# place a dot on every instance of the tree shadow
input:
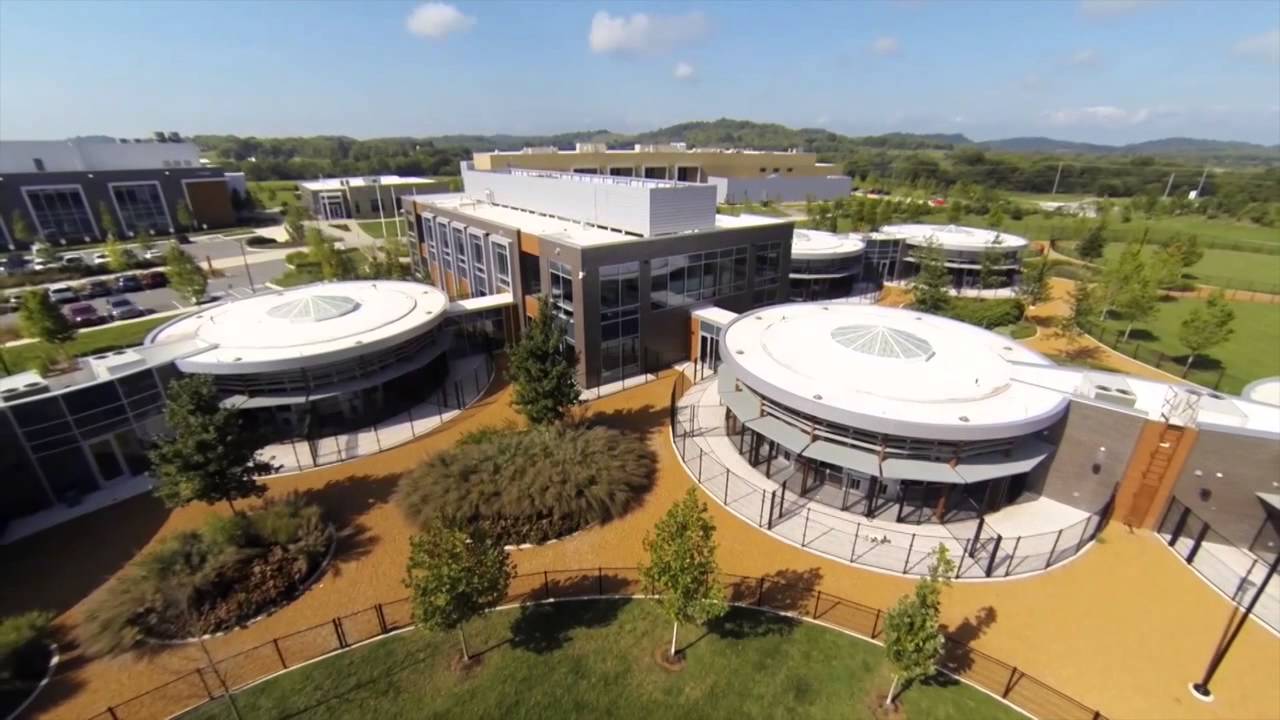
(792, 591)
(103, 542)
(1141, 335)
(547, 627)
(745, 624)
(958, 656)
(344, 502)
(632, 419)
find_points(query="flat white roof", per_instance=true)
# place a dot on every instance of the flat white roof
(954, 237)
(304, 326)
(890, 370)
(339, 183)
(820, 245)
(1266, 390)
(568, 231)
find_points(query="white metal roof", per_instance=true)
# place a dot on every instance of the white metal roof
(304, 326)
(889, 370)
(954, 237)
(820, 245)
(339, 183)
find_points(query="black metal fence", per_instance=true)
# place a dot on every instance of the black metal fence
(1235, 572)
(1209, 377)
(788, 511)
(204, 684)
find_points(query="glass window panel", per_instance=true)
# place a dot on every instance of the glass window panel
(631, 289)
(68, 471)
(60, 212)
(610, 293)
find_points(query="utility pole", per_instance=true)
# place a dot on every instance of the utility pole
(1200, 187)
(1056, 178)
(1169, 187)
(244, 259)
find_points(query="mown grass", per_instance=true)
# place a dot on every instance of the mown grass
(595, 659)
(1223, 268)
(373, 228)
(87, 342)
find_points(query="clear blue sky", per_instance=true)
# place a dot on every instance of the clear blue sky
(1105, 71)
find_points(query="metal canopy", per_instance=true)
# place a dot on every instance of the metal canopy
(860, 460)
(1023, 458)
(926, 470)
(787, 436)
(743, 404)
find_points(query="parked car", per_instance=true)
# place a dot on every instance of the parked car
(120, 308)
(10, 304)
(84, 315)
(72, 260)
(96, 288)
(101, 258)
(63, 294)
(155, 253)
(41, 264)
(128, 284)
(154, 279)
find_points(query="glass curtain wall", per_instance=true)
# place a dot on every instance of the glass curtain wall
(619, 321)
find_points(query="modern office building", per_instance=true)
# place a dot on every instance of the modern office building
(824, 265)
(61, 188)
(739, 175)
(896, 248)
(623, 259)
(363, 198)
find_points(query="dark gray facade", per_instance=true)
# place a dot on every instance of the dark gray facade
(96, 189)
(1248, 465)
(1078, 473)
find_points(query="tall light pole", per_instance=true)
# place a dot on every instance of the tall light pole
(377, 188)
(1056, 178)
(1169, 186)
(1200, 187)
(1201, 689)
(245, 259)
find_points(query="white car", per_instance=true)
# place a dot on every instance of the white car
(101, 258)
(155, 254)
(42, 264)
(72, 260)
(63, 294)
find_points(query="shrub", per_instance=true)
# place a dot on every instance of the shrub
(299, 258)
(529, 486)
(203, 581)
(260, 241)
(24, 654)
(986, 313)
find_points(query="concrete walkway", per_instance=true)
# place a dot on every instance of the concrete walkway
(1123, 628)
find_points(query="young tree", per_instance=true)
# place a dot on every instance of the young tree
(931, 287)
(913, 641)
(682, 569)
(293, 227)
(1139, 299)
(41, 319)
(107, 222)
(1081, 305)
(44, 251)
(1206, 327)
(184, 218)
(1094, 243)
(990, 276)
(954, 211)
(453, 577)
(144, 241)
(995, 218)
(20, 229)
(334, 263)
(117, 255)
(542, 367)
(1034, 285)
(185, 275)
(206, 456)
(1117, 274)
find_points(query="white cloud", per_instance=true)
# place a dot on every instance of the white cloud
(1086, 56)
(436, 19)
(1099, 116)
(885, 45)
(643, 33)
(823, 119)
(1112, 8)
(683, 71)
(1263, 46)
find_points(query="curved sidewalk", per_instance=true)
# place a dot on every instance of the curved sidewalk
(1123, 628)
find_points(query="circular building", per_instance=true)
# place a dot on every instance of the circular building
(880, 410)
(1264, 390)
(824, 265)
(321, 358)
(962, 250)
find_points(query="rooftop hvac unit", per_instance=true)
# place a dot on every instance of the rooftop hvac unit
(1114, 396)
(21, 386)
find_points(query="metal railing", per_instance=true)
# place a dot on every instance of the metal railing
(1212, 378)
(791, 515)
(204, 684)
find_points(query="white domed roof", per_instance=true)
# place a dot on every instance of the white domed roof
(955, 237)
(881, 341)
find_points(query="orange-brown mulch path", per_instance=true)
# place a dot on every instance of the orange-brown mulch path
(1124, 627)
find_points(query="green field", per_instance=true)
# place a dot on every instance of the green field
(373, 228)
(1252, 352)
(87, 342)
(595, 659)
(1224, 268)
(274, 193)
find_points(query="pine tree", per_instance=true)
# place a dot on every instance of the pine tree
(453, 577)
(41, 319)
(542, 367)
(206, 455)
(1094, 243)
(185, 276)
(931, 287)
(913, 641)
(682, 569)
(1206, 327)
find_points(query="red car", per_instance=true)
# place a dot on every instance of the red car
(83, 315)
(154, 279)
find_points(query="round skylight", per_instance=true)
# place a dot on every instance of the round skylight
(313, 308)
(881, 341)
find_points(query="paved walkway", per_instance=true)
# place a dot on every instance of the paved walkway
(1123, 628)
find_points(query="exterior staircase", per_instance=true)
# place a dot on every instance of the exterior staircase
(1154, 475)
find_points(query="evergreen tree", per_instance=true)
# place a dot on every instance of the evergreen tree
(453, 577)
(206, 455)
(682, 569)
(185, 276)
(930, 289)
(913, 641)
(41, 319)
(1206, 327)
(107, 222)
(543, 369)
(185, 220)
(1094, 243)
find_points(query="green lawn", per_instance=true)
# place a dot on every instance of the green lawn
(1252, 352)
(274, 193)
(1223, 268)
(752, 209)
(87, 342)
(596, 660)
(373, 228)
